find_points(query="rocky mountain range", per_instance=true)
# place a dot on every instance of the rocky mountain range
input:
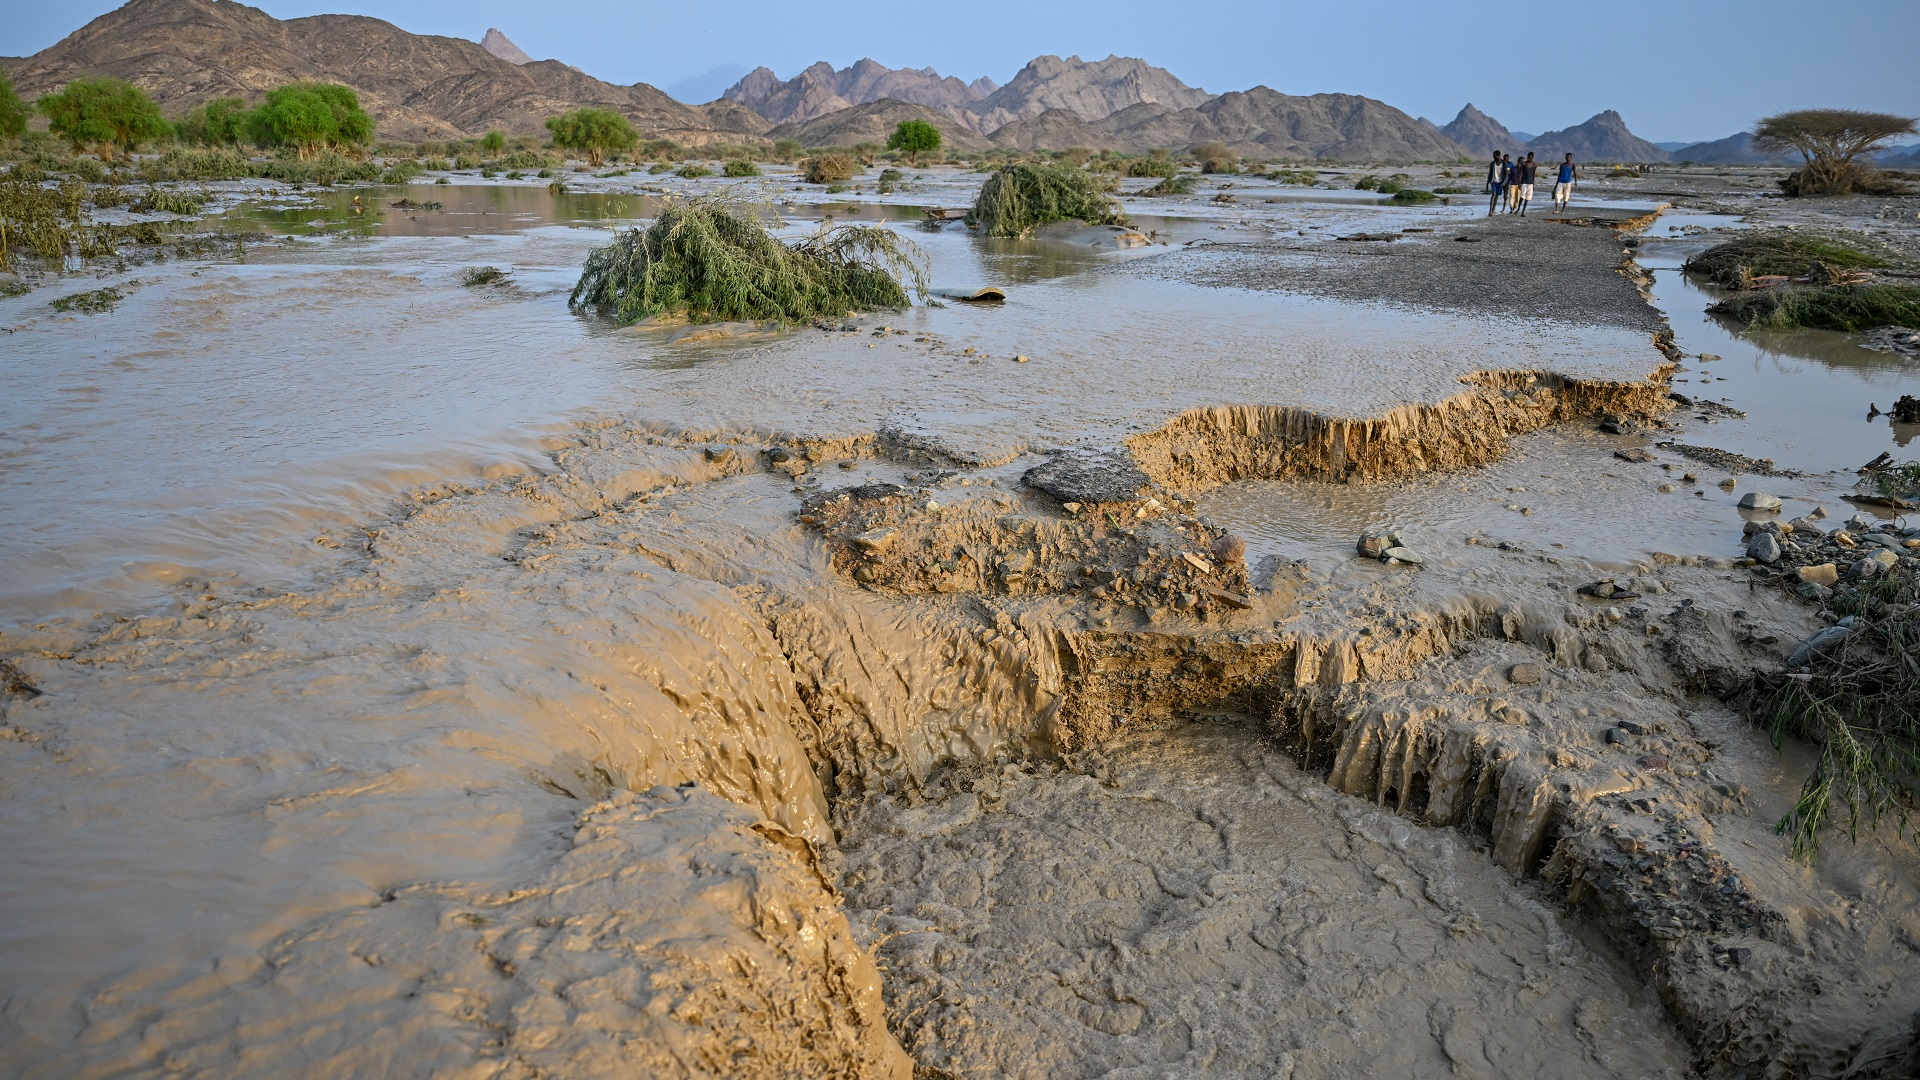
(819, 90)
(185, 52)
(1604, 137)
(1736, 149)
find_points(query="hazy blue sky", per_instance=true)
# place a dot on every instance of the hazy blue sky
(1676, 69)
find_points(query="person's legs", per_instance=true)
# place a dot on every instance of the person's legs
(1493, 198)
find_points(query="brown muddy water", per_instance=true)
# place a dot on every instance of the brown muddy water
(433, 681)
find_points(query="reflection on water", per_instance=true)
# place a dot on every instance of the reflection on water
(462, 210)
(1806, 393)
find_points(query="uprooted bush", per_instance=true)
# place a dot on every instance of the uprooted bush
(1792, 252)
(1019, 198)
(712, 259)
(830, 168)
(50, 222)
(1847, 308)
(1859, 701)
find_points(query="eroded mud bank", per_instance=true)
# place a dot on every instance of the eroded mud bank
(640, 762)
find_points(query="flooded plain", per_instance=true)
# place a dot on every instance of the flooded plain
(430, 679)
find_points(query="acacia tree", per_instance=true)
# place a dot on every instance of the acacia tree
(13, 112)
(914, 137)
(107, 113)
(592, 132)
(1828, 140)
(310, 117)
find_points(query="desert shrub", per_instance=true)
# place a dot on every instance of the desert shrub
(1792, 252)
(325, 170)
(466, 161)
(1456, 189)
(1147, 166)
(435, 164)
(13, 111)
(220, 122)
(712, 259)
(493, 142)
(49, 222)
(1171, 185)
(1302, 177)
(1369, 182)
(1851, 178)
(310, 118)
(693, 171)
(1414, 195)
(401, 172)
(740, 167)
(108, 113)
(829, 168)
(593, 132)
(184, 164)
(1214, 157)
(1018, 198)
(1848, 308)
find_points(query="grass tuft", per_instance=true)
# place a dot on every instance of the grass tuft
(712, 259)
(1792, 252)
(1848, 308)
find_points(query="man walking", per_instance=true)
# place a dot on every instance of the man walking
(1528, 170)
(1496, 182)
(1563, 187)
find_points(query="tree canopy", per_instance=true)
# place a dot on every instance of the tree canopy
(220, 122)
(109, 113)
(592, 131)
(493, 142)
(1829, 140)
(914, 137)
(310, 116)
(13, 112)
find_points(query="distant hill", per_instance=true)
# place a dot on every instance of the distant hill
(1091, 90)
(1603, 137)
(1055, 129)
(1735, 149)
(185, 52)
(873, 122)
(496, 43)
(1523, 136)
(819, 90)
(1481, 134)
(1341, 127)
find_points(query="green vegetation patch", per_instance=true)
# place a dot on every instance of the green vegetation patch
(693, 172)
(1415, 195)
(1793, 252)
(91, 302)
(712, 259)
(1020, 198)
(474, 276)
(1172, 185)
(740, 167)
(1848, 308)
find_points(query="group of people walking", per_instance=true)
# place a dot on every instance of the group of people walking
(1511, 182)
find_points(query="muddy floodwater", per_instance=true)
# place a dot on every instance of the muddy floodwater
(421, 678)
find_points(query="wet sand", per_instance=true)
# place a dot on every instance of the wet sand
(613, 763)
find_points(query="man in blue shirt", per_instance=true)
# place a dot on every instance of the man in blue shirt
(1563, 188)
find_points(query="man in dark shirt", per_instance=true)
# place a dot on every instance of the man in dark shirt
(1527, 170)
(1496, 182)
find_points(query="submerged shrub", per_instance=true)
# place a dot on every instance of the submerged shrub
(1848, 308)
(91, 302)
(1792, 252)
(712, 259)
(1172, 185)
(1019, 198)
(830, 168)
(482, 275)
(51, 222)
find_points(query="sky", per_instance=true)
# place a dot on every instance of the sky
(1675, 69)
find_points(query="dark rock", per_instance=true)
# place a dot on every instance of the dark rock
(1634, 454)
(1089, 476)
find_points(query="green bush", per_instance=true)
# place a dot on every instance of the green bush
(712, 259)
(593, 132)
(1214, 157)
(693, 171)
(786, 151)
(183, 164)
(108, 113)
(1171, 185)
(492, 143)
(1019, 198)
(1792, 252)
(740, 167)
(913, 138)
(156, 200)
(1160, 167)
(220, 122)
(310, 118)
(13, 111)
(1848, 308)
(1414, 195)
